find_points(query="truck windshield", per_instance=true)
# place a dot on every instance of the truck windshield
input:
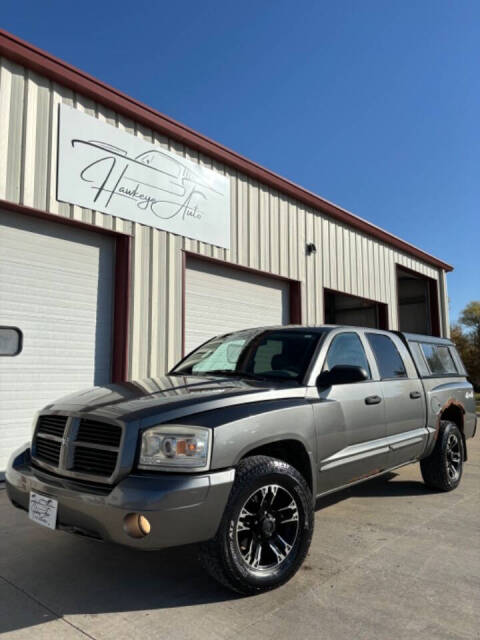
(267, 354)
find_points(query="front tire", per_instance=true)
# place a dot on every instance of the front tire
(444, 466)
(266, 529)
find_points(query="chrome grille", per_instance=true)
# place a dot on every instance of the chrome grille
(77, 447)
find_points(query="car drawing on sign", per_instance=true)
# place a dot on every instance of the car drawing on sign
(231, 449)
(153, 179)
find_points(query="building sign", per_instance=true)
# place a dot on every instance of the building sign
(103, 168)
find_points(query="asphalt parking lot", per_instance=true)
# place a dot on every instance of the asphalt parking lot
(389, 559)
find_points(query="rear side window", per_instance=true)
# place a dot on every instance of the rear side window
(458, 361)
(439, 359)
(419, 358)
(389, 360)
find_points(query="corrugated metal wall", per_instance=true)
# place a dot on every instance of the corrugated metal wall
(268, 231)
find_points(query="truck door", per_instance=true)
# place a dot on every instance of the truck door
(403, 396)
(349, 420)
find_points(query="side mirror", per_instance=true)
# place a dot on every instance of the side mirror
(341, 374)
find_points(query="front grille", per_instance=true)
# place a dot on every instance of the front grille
(53, 425)
(48, 450)
(99, 433)
(75, 447)
(48, 438)
(97, 461)
(100, 458)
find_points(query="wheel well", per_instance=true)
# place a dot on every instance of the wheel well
(290, 451)
(454, 413)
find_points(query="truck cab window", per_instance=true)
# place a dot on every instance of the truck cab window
(347, 348)
(389, 360)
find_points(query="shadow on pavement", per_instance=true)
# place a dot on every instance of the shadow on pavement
(381, 487)
(68, 575)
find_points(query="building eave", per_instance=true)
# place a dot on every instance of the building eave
(31, 57)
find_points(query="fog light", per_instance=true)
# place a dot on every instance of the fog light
(136, 526)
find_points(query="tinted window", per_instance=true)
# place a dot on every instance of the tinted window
(458, 361)
(389, 360)
(10, 341)
(438, 359)
(272, 354)
(347, 348)
(265, 354)
(283, 354)
(417, 353)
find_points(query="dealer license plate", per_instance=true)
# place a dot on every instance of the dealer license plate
(43, 510)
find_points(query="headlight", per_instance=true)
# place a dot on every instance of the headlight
(176, 447)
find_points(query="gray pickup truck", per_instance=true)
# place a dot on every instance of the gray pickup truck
(231, 449)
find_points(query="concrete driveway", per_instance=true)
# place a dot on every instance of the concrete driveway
(389, 560)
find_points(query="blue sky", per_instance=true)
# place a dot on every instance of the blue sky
(374, 105)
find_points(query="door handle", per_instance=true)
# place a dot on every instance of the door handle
(373, 400)
(414, 395)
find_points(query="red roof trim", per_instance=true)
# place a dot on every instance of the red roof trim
(47, 65)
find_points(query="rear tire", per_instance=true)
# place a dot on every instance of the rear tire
(444, 466)
(266, 529)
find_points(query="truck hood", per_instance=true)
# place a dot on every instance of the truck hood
(170, 397)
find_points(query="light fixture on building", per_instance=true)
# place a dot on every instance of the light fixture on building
(311, 248)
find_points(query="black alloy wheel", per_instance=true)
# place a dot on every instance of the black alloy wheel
(266, 529)
(444, 466)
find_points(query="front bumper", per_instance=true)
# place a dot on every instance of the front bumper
(181, 508)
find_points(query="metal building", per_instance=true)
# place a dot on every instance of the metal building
(127, 239)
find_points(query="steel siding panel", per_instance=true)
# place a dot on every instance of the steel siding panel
(319, 310)
(264, 230)
(59, 95)
(30, 128)
(41, 142)
(15, 148)
(309, 268)
(275, 233)
(269, 230)
(253, 226)
(283, 236)
(5, 97)
(232, 252)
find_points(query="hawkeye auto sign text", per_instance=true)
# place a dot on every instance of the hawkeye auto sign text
(103, 168)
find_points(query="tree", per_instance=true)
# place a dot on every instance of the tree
(468, 342)
(470, 317)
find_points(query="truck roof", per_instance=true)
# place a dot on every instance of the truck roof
(409, 337)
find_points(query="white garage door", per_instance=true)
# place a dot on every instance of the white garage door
(56, 285)
(220, 299)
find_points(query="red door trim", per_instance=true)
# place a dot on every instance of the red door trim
(295, 286)
(122, 281)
